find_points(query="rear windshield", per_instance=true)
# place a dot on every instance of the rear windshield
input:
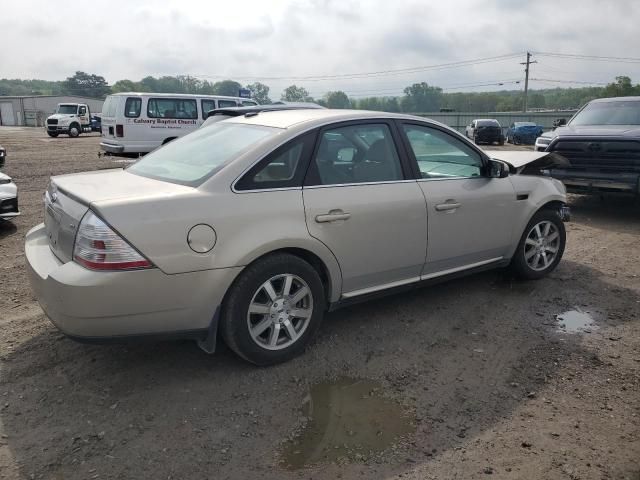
(488, 123)
(609, 113)
(525, 124)
(192, 159)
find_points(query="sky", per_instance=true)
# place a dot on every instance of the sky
(280, 41)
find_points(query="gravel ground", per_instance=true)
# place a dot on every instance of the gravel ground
(484, 380)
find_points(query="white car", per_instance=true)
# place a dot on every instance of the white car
(8, 198)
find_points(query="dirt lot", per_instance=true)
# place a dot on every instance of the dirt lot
(464, 380)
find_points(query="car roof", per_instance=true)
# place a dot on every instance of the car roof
(237, 111)
(313, 117)
(616, 99)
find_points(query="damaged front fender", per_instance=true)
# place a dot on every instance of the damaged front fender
(528, 162)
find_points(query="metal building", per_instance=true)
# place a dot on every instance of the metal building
(32, 111)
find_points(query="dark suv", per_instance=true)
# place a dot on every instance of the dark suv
(602, 144)
(485, 130)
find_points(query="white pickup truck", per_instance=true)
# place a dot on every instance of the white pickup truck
(70, 118)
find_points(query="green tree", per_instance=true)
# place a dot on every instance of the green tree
(420, 97)
(259, 92)
(230, 88)
(86, 85)
(622, 87)
(126, 86)
(337, 99)
(294, 93)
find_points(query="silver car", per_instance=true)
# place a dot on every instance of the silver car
(257, 225)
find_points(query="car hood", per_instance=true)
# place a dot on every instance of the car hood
(60, 116)
(518, 159)
(596, 131)
(117, 184)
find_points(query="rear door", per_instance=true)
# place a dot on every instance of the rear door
(361, 202)
(471, 216)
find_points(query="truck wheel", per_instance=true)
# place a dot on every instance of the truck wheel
(475, 140)
(52, 134)
(74, 130)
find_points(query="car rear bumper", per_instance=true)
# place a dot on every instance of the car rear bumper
(585, 181)
(112, 148)
(105, 306)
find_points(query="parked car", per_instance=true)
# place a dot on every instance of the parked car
(254, 227)
(485, 130)
(96, 123)
(3, 156)
(602, 144)
(137, 123)
(523, 132)
(8, 198)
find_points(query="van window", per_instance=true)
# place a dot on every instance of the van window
(109, 106)
(227, 103)
(249, 103)
(207, 106)
(172, 108)
(132, 107)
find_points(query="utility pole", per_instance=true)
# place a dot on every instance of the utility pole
(526, 79)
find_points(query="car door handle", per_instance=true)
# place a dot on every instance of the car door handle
(448, 205)
(333, 216)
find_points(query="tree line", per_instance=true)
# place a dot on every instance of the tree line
(416, 98)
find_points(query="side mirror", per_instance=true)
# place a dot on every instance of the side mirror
(498, 169)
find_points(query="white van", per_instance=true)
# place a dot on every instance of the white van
(134, 123)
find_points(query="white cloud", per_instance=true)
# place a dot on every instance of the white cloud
(126, 39)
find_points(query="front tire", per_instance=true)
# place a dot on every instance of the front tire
(52, 134)
(541, 246)
(74, 130)
(273, 309)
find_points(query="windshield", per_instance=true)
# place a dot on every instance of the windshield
(193, 158)
(609, 113)
(67, 109)
(525, 124)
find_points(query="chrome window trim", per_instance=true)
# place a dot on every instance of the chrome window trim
(385, 182)
(451, 178)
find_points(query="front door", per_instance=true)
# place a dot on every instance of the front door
(360, 204)
(470, 216)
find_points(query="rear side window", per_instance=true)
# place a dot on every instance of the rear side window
(283, 168)
(227, 103)
(172, 108)
(132, 107)
(249, 103)
(207, 106)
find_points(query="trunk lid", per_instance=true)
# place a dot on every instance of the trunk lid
(68, 198)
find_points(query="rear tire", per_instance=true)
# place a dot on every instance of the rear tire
(475, 140)
(541, 246)
(273, 309)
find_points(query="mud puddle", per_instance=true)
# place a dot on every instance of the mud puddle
(576, 321)
(348, 420)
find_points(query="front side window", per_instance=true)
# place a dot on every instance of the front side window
(132, 107)
(440, 155)
(356, 154)
(192, 159)
(207, 106)
(284, 168)
(227, 103)
(172, 108)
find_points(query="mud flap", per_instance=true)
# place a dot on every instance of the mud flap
(208, 344)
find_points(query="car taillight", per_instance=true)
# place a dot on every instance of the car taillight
(98, 247)
(119, 130)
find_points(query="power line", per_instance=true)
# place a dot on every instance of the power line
(551, 80)
(380, 73)
(589, 57)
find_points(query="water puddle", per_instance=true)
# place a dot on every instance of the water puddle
(349, 420)
(576, 321)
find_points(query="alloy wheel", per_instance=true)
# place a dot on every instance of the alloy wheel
(280, 311)
(542, 245)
